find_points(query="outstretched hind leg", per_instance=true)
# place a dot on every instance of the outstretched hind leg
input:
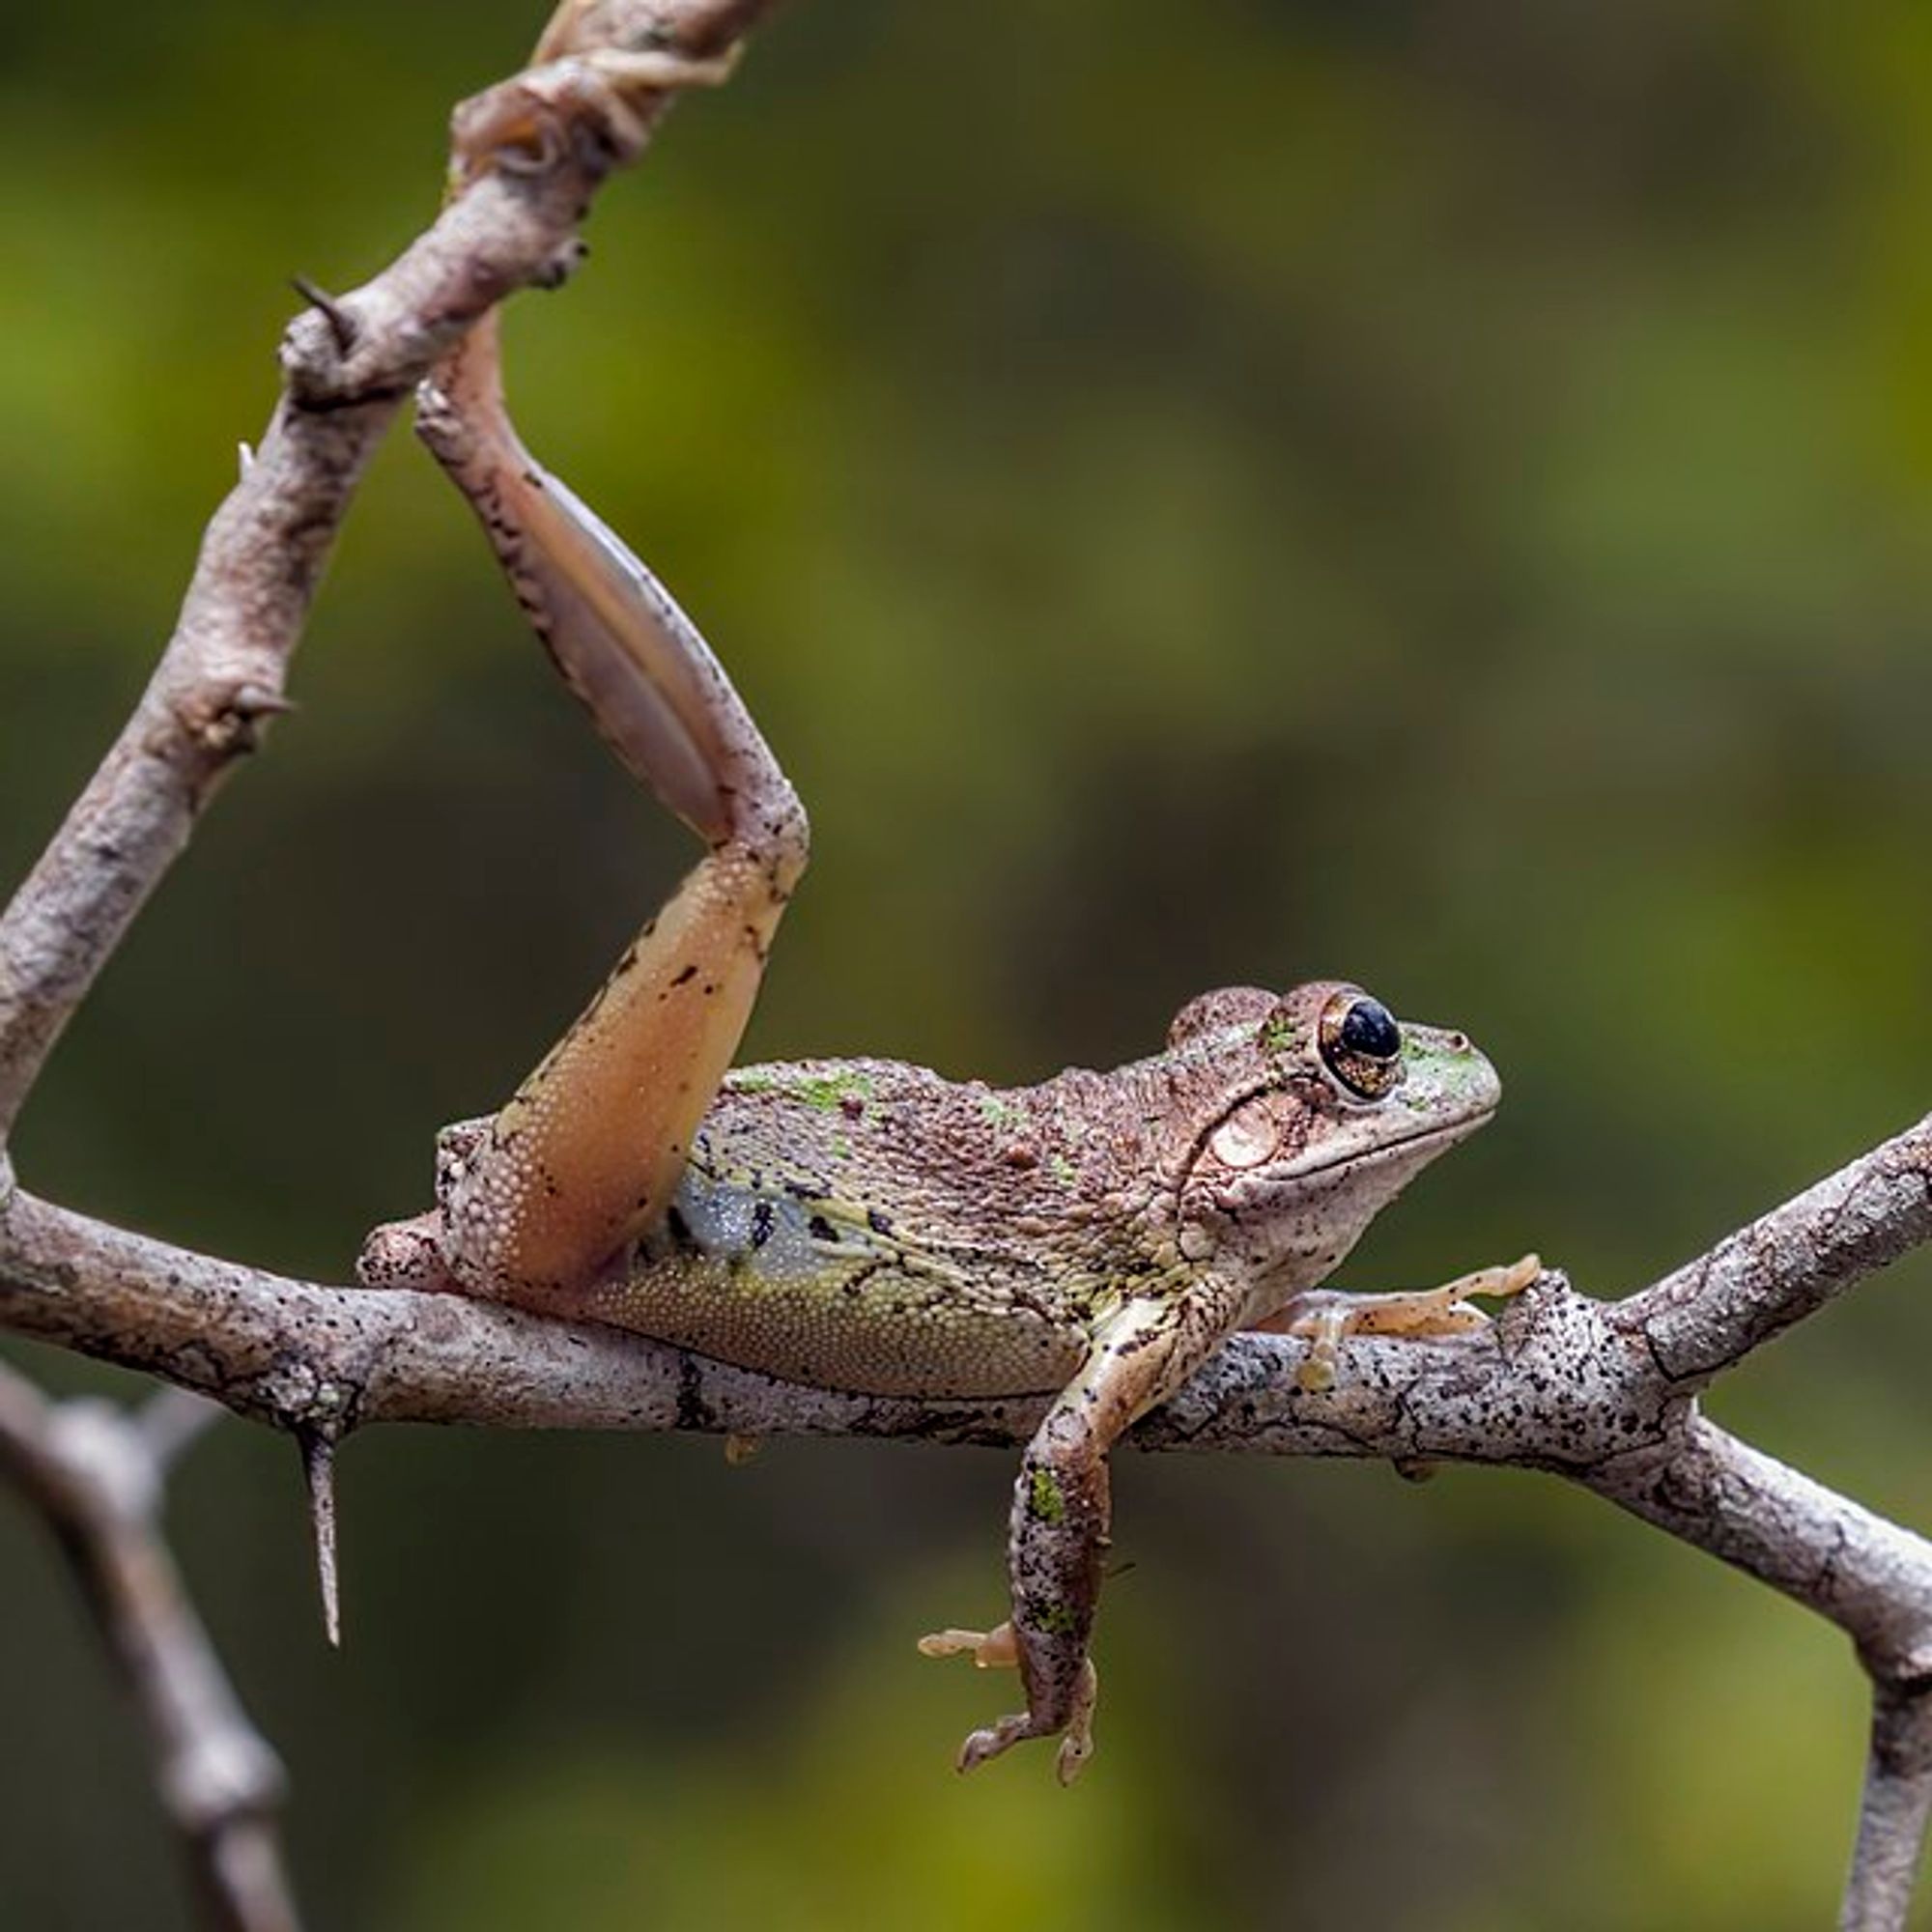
(587, 1153)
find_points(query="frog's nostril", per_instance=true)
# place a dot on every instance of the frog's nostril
(1459, 1042)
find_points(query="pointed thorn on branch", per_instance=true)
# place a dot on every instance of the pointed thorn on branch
(318, 1454)
(341, 323)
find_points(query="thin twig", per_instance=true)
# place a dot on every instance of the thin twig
(95, 1474)
(1892, 1814)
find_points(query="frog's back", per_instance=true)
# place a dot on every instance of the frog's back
(869, 1225)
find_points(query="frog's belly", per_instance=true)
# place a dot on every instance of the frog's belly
(761, 1283)
(874, 1329)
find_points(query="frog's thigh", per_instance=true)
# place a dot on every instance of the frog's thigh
(591, 1147)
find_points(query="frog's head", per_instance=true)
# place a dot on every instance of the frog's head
(1322, 1107)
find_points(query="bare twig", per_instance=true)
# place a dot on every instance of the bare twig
(1892, 1819)
(1602, 1393)
(95, 1472)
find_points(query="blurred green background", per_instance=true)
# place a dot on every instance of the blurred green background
(1435, 492)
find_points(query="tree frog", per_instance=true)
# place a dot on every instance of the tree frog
(871, 1226)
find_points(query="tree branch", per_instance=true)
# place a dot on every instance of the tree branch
(1561, 1383)
(1892, 1819)
(1710, 1314)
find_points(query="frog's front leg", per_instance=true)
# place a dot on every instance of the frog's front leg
(1061, 1510)
(589, 1152)
(1327, 1317)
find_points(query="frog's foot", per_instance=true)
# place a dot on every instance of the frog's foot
(1329, 1316)
(523, 124)
(999, 1649)
(406, 1254)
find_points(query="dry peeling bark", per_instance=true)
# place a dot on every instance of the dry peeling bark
(1603, 1394)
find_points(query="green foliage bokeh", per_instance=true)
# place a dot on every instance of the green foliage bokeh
(1430, 492)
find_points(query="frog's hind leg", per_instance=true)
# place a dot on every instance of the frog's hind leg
(589, 1152)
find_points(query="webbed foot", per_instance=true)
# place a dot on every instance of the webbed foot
(998, 1649)
(1329, 1316)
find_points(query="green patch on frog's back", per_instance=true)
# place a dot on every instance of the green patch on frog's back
(1006, 1112)
(825, 1088)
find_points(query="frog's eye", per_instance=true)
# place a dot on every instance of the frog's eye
(1361, 1044)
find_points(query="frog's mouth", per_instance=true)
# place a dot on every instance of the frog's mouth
(1411, 1149)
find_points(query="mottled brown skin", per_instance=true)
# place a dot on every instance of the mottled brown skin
(867, 1225)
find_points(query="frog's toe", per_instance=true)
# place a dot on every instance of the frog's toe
(1326, 1316)
(999, 1649)
(996, 1649)
(406, 1254)
(991, 1739)
(1515, 1278)
(1076, 1746)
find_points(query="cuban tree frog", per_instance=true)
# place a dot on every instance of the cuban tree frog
(869, 1226)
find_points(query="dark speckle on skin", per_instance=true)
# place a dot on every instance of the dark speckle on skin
(692, 1413)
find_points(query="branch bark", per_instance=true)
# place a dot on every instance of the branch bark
(96, 1473)
(1603, 1394)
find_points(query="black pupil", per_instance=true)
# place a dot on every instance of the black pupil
(1369, 1028)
